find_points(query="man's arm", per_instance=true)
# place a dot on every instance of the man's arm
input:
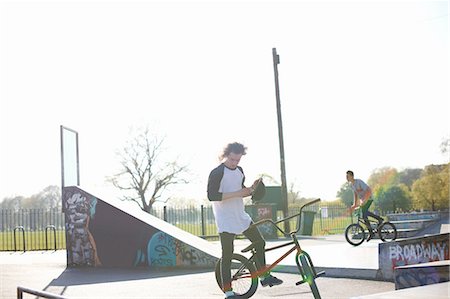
(367, 194)
(214, 180)
(244, 192)
(214, 184)
(355, 198)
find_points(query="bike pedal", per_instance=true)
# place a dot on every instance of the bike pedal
(320, 273)
(300, 282)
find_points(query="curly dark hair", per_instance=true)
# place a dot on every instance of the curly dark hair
(234, 147)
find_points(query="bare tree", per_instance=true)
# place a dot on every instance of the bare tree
(50, 197)
(293, 192)
(445, 146)
(143, 175)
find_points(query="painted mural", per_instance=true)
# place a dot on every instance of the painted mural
(412, 251)
(420, 250)
(164, 250)
(261, 212)
(407, 277)
(267, 229)
(99, 234)
(81, 246)
(418, 253)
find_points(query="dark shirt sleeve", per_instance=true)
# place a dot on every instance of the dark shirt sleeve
(215, 177)
(243, 179)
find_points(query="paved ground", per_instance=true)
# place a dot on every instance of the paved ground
(47, 271)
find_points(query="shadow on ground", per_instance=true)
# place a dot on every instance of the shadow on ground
(84, 276)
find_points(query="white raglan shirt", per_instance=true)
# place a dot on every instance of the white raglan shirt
(230, 214)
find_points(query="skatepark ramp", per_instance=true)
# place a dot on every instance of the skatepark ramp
(103, 233)
(417, 224)
(415, 261)
(421, 274)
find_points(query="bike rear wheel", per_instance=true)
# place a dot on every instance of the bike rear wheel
(244, 279)
(310, 276)
(354, 234)
(387, 232)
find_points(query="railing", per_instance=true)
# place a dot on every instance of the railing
(197, 221)
(200, 221)
(52, 227)
(21, 290)
(23, 237)
(32, 229)
(45, 229)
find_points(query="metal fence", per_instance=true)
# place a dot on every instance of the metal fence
(32, 229)
(199, 220)
(193, 219)
(39, 229)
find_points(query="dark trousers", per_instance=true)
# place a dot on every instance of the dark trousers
(227, 242)
(366, 215)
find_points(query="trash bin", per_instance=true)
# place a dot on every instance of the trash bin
(260, 212)
(307, 223)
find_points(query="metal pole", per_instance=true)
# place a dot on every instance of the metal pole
(203, 220)
(276, 61)
(61, 138)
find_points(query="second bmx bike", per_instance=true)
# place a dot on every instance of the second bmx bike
(356, 234)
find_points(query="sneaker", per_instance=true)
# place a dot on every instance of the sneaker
(271, 281)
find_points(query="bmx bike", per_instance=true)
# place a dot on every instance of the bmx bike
(355, 233)
(244, 276)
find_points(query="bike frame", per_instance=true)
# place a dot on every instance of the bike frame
(361, 221)
(294, 242)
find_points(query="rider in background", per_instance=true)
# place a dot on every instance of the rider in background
(362, 197)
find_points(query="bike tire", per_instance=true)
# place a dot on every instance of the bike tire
(244, 279)
(310, 277)
(387, 232)
(353, 232)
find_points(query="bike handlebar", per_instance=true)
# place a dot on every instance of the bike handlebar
(299, 214)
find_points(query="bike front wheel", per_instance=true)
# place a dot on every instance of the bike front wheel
(354, 234)
(244, 279)
(387, 232)
(309, 275)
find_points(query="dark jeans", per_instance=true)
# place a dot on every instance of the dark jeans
(366, 215)
(227, 242)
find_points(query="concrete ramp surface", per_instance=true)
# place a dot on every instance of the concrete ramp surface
(102, 233)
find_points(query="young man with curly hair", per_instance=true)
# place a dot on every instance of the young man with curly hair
(226, 191)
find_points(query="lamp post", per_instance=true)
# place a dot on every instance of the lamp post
(276, 61)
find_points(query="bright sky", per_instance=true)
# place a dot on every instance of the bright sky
(363, 84)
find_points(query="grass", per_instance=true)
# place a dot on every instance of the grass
(324, 226)
(34, 240)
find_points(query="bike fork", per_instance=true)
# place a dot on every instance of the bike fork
(309, 260)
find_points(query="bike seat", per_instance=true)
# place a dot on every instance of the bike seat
(248, 248)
